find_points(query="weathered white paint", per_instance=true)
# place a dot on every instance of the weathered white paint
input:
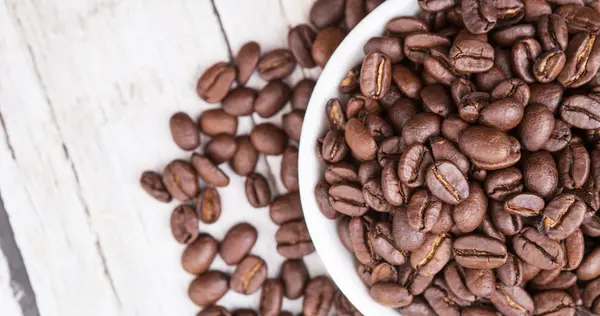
(86, 89)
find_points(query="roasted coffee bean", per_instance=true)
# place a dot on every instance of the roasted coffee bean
(591, 225)
(511, 272)
(552, 30)
(407, 81)
(436, 5)
(359, 234)
(246, 312)
(343, 229)
(548, 66)
(433, 255)
(295, 277)
(343, 307)
(246, 61)
(443, 149)
(350, 83)
(478, 311)
(472, 104)
(208, 206)
(589, 268)
(534, 9)
(512, 300)
(479, 16)
(153, 184)
(423, 210)
(447, 183)
(276, 64)
(512, 88)
(437, 99)
(322, 197)
(499, 184)
(395, 191)
(563, 281)
(340, 173)
(360, 106)
(376, 75)
(335, 114)
(216, 121)
(481, 282)
(373, 195)
(573, 248)
(418, 45)
(412, 280)
(541, 174)
(292, 124)
(548, 94)
(562, 216)
(287, 207)
(326, 12)
(239, 101)
(524, 204)
(508, 36)
(454, 275)
(384, 272)
(289, 169)
(583, 60)
(524, 54)
(181, 180)
(348, 199)
(489, 148)
(249, 275)
(581, 111)
(271, 298)
(390, 149)
(452, 127)
(402, 26)
(208, 288)
(184, 131)
(245, 157)
(560, 137)
(488, 80)
(386, 45)
(359, 140)
(209, 172)
(214, 83)
(268, 139)
(507, 223)
(479, 252)
(591, 292)
(554, 303)
(503, 114)
(442, 300)
(460, 88)
(364, 272)
(502, 60)
(537, 249)
(221, 148)
(237, 243)
(318, 296)
(419, 128)
(405, 237)
(472, 56)
(301, 94)
(334, 147)
(509, 12)
(293, 240)
(391, 294)
(300, 40)
(325, 43)
(545, 277)
(440, 68)
(469, 213)
(257, 190)
(445, 221)
(198, 256)
(369, 170)
(413, 165)
(378, 127)
(536, 127)
(487, 228)
(574, 165)
(214, 310)
(272, 98)
(580, 18)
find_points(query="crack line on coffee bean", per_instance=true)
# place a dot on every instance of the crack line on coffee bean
(250, 275)
(445, 184)
(434, 246)
(477, 253)
(540, 249)
(511, 302)
(7, 137)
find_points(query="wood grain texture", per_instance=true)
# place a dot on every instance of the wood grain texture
(86, 91)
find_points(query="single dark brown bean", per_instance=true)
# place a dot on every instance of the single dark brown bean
(322, 197)
(367, 171)
(198, 256)
(452, 127)
(325, 43)
(524, 204)
(478, 311)
(540, 174)
(560, 137)
(374, 197)
(387, 45)
(268, 139)
(214, 83)
(548, 94)
(573, 249)
(545, 277)
(405, 237)
(216, 121)
(239, 101)
(391, 294)
(257, 190)
(271, 297)
(488, 80)
(418, 45)
(549, 65)
(508, 36)
(554, 303)
(512, 88)
(153, 184)
(511, 272)
(350, 82)
(481, 282)
(433, 255)
(562, 216)
(488, 146)
(300, 40)
(335, 114)
(289, 169)
(276, 64)
(445, 221)
(534, 9)
(412, 280)
(246, 312)
(360, 106)
(405, 25)
(563, 281)
(413, 165)
(509, 12)
(301, 94)
(580, 18)
(536, 127)
(341, 172)
(376, 75)
(287, 207)
(479, 252)
(214, 310)
(382, 243)
(574, 165)
(343, 229)
(443, 149)
(420, 127)
(512, 300)
(318, 296)
(470, 212)
(326, 12)
(209, 172)
(439, 67)
(552, 30)
(537, 249)
(359, 234)
(447, 183)
(437, 99)
(442, 300)
(359, 140)
(581, 111)
(334, 147)
(454, 275)
(590, 267)
(423, 210)
(524, 54)
(471, 105)
(294, 276)
(221, 148)
(499, 184)
(238, 243)
(436, 5)
(245, 157)
(249, 275)
(379, 128)
(292, 124)
(184, 131)
(348, 199)
(502, 60)
(487, 228)
(583, 60)
(208, 288)
(343, 307)
(208, 205)
(390, 149)
(181, 180)
(384, 272)
(272, 98)
(293, 240)
(246, 61)
(591, 292)
(407, 81)
(503, 114)
(460, 88)
(395, 191)
(479, 16)
(472, 56)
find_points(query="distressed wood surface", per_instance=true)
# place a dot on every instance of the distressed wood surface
(86, 90)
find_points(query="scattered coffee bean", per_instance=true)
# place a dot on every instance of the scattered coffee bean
(276, 64)
(221, 148)
(181, 180)
(257, 190)
(199, 255)
(293, 240)
(268, 139)
(208, 288)
(318, 296)
(153, 184)
(208, 206)
(295, 277)
(271, 298)
(249, 276)
(237, 243)
(214, 83)
(246, 61)
(216, 121)
(209, 172)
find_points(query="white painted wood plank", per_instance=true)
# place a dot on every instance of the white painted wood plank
(9, 294)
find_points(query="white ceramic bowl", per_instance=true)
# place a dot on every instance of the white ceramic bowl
(338, 261)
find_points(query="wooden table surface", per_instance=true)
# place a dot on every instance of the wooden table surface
(86, 91)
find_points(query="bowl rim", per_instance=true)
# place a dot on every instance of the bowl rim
(314, 121)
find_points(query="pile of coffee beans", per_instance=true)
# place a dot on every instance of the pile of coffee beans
(195, 181)
(463, 159)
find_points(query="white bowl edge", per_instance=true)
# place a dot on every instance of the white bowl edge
(338, 261)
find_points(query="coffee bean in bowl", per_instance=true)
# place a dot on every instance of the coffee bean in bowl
(459, 171)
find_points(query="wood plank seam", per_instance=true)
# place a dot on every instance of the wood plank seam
(216, 11)
(7, 137)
